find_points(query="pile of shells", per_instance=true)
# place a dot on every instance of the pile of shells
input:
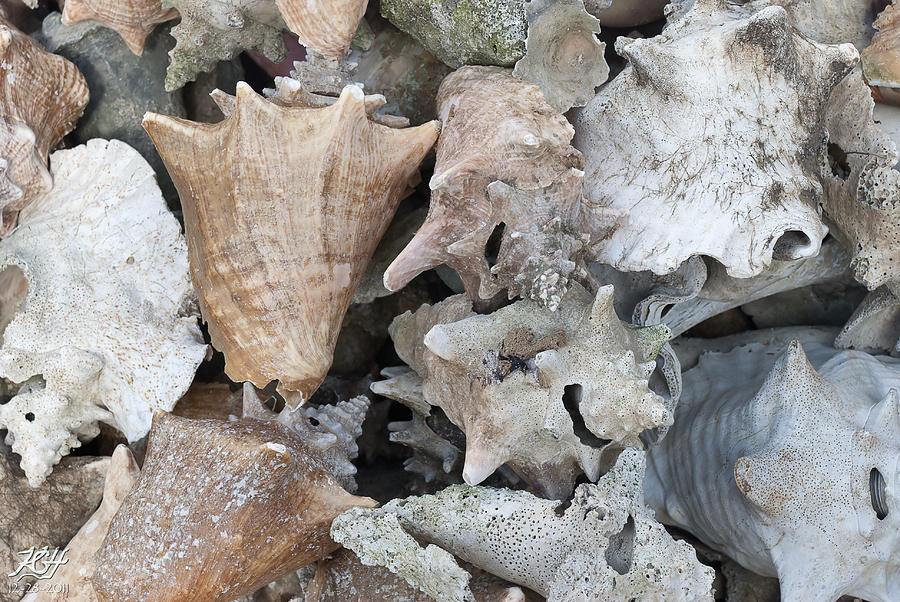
(484, 300)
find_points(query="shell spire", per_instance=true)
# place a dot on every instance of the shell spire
(324, 26)
(279, 238)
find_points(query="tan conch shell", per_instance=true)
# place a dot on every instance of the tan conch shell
(42, 95)
(76, 573)
(881, 59)
(131, 19)
(324, 26)
(549, 393)
(661, 140)
(562, 53)
(220, 509)
(504, 166)
(280, 232)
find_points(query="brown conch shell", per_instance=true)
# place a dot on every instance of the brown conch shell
(42, 95)
(283, 208)
(881, 59)
(220, 509)
(131, 19)
(505, 166)
(324, 26)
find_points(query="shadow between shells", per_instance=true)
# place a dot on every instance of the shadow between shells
(404, 300)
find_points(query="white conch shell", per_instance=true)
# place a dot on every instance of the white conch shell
(604, 546)
(562, 54)
(792, 474)
(875, 325)
(735, 169)
(108, 326)
(526, 372)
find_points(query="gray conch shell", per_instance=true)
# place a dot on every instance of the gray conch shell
(604, 546)
(735, 174)
(218, 30)
(98, 309)
(788, 464)
(505, 170)
(513, 381)
(562, 54)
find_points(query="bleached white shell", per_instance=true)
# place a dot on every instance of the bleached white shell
(773, 460)
(108, 325)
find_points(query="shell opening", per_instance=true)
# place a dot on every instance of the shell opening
(620, 552)
(571, 399)
(492, 247)
(793, 244)
(877, 494)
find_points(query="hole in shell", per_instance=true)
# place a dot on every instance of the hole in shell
(793, 244)
(29, 416)
(492, 247)
(572, 401)
(13, 288)
(877, 494)
(837, 161)
(621, 548)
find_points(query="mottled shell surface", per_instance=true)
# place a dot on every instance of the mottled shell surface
(736, 167)
(788, 464)
(324, 26)
(280, 231)
(131, 19)
(220, 509)
(504, 163)
(42, 95)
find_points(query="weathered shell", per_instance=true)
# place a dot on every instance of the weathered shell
(41, 97)
(793, 474)
(504, 166)
(279, 237)
(131, 19)
(880, 63)
(76, 573)
(875, 325)
(100, 319)
(562, 54)
(736, 174)
(324, 26)
(862, 188)
(218, 30)
(604, 546)
(487, 32)
(48, 515)
(512, 381)
(220, 509)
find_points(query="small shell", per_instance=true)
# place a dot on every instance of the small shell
(525, 383)
(76, 573)
(504, 166)
(562, 54)
(218, 30)
(794, 474)
(279, 237)
(324, 26)
(220, 509)
(101, 322)
(41, 97)
(131, 19)
(659, 139)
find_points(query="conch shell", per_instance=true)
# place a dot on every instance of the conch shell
(131, 19)
(741, 199)
(280, 235)
(504, 168)
(324, 26)
(220, 509)
(794, 474)
(41, 97)
(546, 392)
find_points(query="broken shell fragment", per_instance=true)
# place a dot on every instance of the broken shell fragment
(220, 509)
(756, 194)
(324, 26)
(546, 398)
(504, 167)
(795, 475)
(279, 238)
(131, 19)
(562, 54)
(99, 314)
(41, 97)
